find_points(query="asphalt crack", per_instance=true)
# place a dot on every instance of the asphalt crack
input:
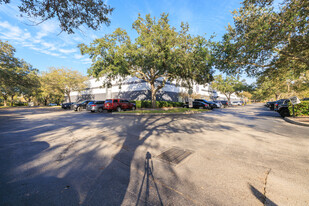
(265, 184)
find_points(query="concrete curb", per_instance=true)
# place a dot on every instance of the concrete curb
(288, 119)
(159, 114)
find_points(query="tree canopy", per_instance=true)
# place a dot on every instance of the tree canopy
(158, 55)
(71, 14)
(62, 81)
(266, 38)
(228, 85)
(16, 76)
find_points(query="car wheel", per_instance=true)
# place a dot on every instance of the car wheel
(100, 110)
(92, 111)
(284, 113)
(118, 109)
(133, 108)
(79, 109)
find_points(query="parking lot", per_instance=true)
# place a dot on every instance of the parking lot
(243, 155)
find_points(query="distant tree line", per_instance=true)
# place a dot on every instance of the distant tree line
(19, 79)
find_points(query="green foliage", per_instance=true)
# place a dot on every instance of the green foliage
(158, 53)
(160, 104)
(301, 109)
(58, 82)
(282, 83)
(71, 14)
(16, 76)
(228, 85)
(265, 38)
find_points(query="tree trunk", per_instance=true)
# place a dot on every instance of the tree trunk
(228, 96)
(153, 95)
(69, 98)
(12, 100)
(5, 100)
(45, 102)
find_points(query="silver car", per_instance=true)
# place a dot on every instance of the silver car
(95, 106)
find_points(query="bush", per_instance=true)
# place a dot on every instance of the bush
(160, 104)
(301, 109)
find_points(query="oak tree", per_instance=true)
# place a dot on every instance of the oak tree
(158, 55)
(265, 37)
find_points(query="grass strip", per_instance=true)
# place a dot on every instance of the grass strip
(174, 110)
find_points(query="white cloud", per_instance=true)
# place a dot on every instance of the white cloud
(86, 61)
(50, 46)
(50, 53)
(78, 56)
(46, 28)
(67, 51)
(9, 31)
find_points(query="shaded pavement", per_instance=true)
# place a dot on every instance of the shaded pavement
(242, 155)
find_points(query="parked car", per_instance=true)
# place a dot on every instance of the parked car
(67, 105)
(268, 104)
(52, 104)
(118, 105)
(219, 104)
(271, 105)
(81, 105)
(279, 102)
(201, 105)
(283, 108)
(224, 103)
(210, 103)
(305, 99)
(95, 106)
(236, 103)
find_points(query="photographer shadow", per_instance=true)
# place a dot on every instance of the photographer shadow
(146, 180)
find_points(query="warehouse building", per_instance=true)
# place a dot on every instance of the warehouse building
(133, 88)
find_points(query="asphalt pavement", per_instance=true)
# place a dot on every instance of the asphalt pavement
(234, 156)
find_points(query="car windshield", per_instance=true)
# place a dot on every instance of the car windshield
(90, 103)
(109, 101)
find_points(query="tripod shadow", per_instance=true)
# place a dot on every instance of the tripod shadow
(147, 175)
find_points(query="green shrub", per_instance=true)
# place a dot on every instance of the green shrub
(301, 109)
(159, 104)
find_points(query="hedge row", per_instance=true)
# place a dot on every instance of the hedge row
(301, 109)
(147, 104)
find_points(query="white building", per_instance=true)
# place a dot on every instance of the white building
(133, 88)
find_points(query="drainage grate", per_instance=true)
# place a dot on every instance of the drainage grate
(175, 155)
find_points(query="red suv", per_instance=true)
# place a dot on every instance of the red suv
(118, 105)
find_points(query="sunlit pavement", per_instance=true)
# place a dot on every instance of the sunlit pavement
(239, 156)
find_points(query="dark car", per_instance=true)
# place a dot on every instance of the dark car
(95, 106)
(118, 105)
(283, 108)
(271, 105)
(305, 99)
(210, 103)
(224, 103)
(201, 105)
(279, 102)
(81, 105)
(67, 105)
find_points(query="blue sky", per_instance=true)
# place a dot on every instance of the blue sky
(43, 46)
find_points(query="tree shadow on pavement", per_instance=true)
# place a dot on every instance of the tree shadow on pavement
(98, 178)
(261, 197)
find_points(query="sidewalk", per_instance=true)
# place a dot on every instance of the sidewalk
(303, 121)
